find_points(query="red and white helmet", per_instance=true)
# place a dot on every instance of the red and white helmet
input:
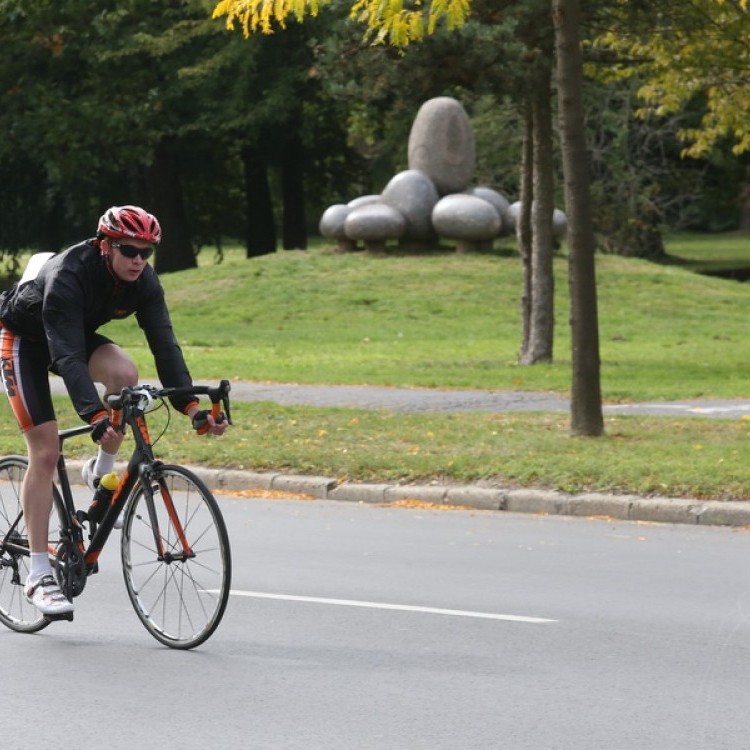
(130, 221)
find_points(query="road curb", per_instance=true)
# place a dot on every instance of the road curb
(524, 500)
(519, 500)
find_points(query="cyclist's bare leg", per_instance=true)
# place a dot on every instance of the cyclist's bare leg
(110, 365)
(36, 492)
(41, 588)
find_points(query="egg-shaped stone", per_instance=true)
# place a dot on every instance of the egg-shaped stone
(374, 222)
(465, 217)
(559, 223)
(510, 217)
(413, 194)
(331, 223)
(363, 200)
(512, 213)
(498, 200)
(441, 144)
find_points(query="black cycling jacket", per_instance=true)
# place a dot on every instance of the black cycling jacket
(73, 295)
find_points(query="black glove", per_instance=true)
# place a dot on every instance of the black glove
(200, 421)
(100, 428)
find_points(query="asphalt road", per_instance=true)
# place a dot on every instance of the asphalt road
(382, 628)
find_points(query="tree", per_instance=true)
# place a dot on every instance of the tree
(534, 230)
(92, 99)
(107, 102)
(42, 103)
(687, 50)
(686, 56)
(397, 25)
(586, 401)
(502, 55)
(266, 98)
(505, 47)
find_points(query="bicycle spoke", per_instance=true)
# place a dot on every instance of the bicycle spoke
(172, 604)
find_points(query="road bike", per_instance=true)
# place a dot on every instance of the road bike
(174, 545)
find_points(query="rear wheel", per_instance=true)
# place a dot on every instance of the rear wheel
(178, 582)
(15, 611)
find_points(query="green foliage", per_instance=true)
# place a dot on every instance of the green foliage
(483, 64)
(88, 90)
(688, 50)
(640, 184)
(86, 93)
(498, 131)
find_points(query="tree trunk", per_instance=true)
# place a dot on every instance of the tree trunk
(176, 251)
(542, 320)
(260, 238)
(293, 221)
(523, 227)
(586, 400)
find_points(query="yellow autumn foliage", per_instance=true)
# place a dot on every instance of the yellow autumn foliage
(703, 50)
(395, 22)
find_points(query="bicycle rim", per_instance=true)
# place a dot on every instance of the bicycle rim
(179, 599)
(15, 612)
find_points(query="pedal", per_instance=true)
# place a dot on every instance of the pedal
(63, 616)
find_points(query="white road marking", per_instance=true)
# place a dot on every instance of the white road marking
(400, 607)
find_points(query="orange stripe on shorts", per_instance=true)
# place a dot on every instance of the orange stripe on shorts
(8, 358)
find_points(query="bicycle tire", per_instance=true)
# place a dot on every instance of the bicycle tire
(180, 601)
(15, 612)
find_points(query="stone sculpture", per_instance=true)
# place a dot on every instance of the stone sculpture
(433, 199)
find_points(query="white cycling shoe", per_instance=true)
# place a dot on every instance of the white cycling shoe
(46, 596)
(88, 475)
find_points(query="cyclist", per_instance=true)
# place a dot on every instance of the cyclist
(50, 322)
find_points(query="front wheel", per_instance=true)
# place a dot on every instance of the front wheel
(175, 558)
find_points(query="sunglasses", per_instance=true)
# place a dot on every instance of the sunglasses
(130, 251)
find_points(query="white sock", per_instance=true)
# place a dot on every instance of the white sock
(39, 566)
(105, 462)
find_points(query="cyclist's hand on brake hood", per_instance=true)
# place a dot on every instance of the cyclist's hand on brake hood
(104, 434)
(204, 423)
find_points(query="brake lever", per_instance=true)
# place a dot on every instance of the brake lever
(224, 387)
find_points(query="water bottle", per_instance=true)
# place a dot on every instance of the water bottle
(107, 486)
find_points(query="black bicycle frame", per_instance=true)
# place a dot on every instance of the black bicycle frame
(141, 466)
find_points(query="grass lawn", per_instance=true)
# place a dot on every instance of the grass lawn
(447, 320)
